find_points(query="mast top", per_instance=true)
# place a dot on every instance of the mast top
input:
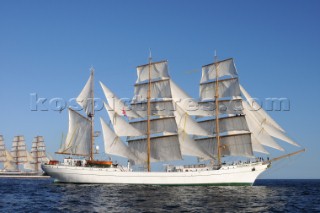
(150, 55)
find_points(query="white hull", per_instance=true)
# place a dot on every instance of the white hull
(244, 174)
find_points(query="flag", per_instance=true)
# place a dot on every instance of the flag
(124, 112)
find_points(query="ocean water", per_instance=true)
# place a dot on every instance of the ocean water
(265, 196)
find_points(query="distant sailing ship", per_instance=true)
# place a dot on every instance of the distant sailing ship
(163, 124)
(19, 156)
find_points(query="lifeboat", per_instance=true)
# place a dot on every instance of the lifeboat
(99, 163)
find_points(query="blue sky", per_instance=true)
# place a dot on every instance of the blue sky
(47, 47)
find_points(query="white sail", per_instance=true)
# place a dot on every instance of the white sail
(231, 123)
(183, 100)
(28, 165)
(114, 145)
(236, 144)
(38, 152)
(86, 98)
(257, 146)
(225, 68)
(262, 124)
(164, 140)
(187, 124)
(159, 89)
(165, 147)
(163, 107)
(260, 134)
(121, 127)
(2, 150)
(260, 114)
(235, 137)
(227, 88)
(18, 150)
(157, 125)
(191, 147)
(226, 107)
(117, 104)
(158, 70)
(78, 140)
(10, 164)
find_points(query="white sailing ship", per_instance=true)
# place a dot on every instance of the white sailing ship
(164, 124)
(19, 163)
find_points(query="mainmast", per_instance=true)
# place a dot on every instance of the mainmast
(217, 108)
(91, 115)
(149, 113)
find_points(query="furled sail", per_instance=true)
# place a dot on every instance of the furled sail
(235, 136)
(164, 140)
(86, 97)
(78, 140)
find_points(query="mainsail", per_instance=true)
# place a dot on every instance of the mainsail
(220, 83)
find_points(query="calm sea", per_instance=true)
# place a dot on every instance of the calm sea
(265, 196)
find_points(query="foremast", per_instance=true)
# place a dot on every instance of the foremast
(91, 116)
(80, 137)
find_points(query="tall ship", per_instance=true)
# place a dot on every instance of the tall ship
(163, 124)
(20, 163)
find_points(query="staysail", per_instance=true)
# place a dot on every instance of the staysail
(262, 126)
(86, 97)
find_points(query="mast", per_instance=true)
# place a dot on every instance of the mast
(217, 108)
(19, 150)
(38, 151)
(91, 115)
(2, 150)
(148, 113)
(37, 155)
